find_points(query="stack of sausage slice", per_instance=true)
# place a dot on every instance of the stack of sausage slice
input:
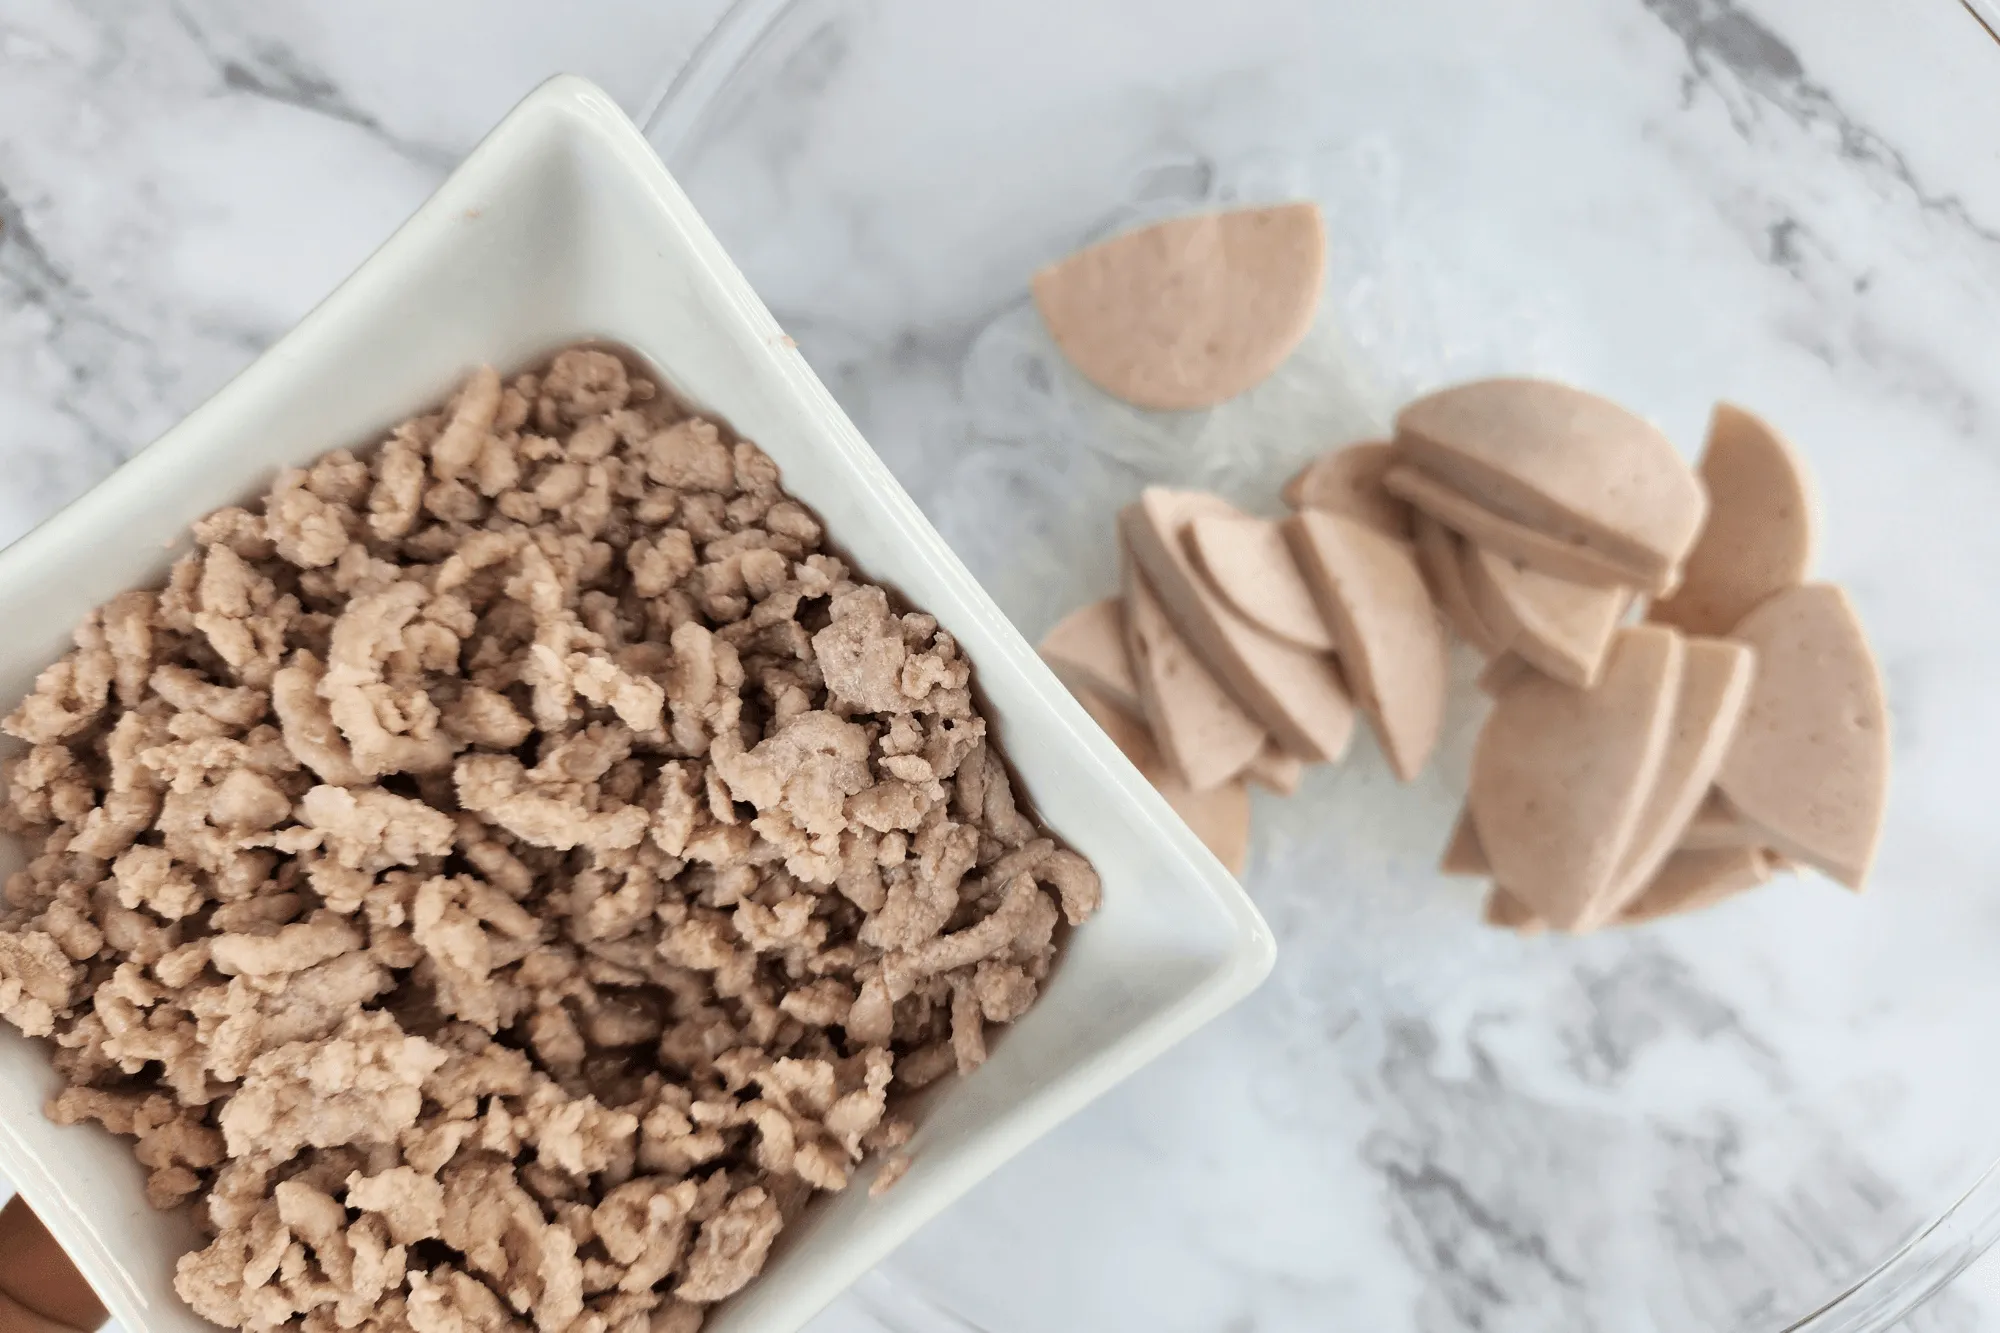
(1677, 711)
(1241, 649)
(1632, 770)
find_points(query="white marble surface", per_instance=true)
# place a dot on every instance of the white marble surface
(1416, 1125)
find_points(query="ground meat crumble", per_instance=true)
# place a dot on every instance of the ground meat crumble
(499, 881)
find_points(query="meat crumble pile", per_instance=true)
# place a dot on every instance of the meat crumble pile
(499, 881)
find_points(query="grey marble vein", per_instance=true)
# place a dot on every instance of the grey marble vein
(275, 72)
(82, 339)
(1723, 35)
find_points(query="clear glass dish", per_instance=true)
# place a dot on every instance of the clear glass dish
(1774, 1115)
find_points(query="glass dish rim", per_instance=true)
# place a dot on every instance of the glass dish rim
(1919, 1267)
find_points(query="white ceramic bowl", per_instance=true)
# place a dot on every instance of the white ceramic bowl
(563, 225)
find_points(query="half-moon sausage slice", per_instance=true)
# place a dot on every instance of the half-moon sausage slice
(1536, 550)
(1569, 464)
(1715, 687)
(1190, 311)
(1276, 771)
(1368, 587)
(1561, 776)
(1687, 882)
(1716, 825)
(1762, 526)
(1441, 555)
(1297, 696)
(1247, 561)
(1220, 816)
(1463, 857)
(1207, 738)
(1087, 649)
(1560, 628)
(1505, 910)
(1810, 766)
(1494, 678)
(1690, 881)
(1349, 481)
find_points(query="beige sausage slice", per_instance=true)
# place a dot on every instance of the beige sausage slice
(1220, 816)
(1441, 555)
(1715, 686)
(1349, 481)
(1560, 628)
(1810, 767)
(1247, 561)
(1536, 550)
(1368, 587)
(1505, 910)
(1690, 881)
(1463, 857)
(1561, 776)
(1762, 527)
(1569, 464)
(1207, 738)
(1276, 771)
(1188, 312)
(1295, 695)
(1494, 678)
(1687, 882)
(1716, 826)
(1087, 649)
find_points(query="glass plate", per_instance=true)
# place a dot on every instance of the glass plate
(1762, 1117)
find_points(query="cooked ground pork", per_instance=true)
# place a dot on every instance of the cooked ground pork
(499, 881)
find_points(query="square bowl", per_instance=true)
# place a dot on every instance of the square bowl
(564, 226)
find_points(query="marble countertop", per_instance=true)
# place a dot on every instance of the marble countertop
(1410, 1128)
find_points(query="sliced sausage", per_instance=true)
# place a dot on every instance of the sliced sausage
(1762, 529)
(1569, 464)
(1368, 587)
(1247, 561)
(1188, 312)
(1349, 481)
(1087, 648)
(1219, 816)
(1561, 776)
(1716, 677)
(1810, 766)
(1297, 696)
(1560, 628)
(1207, 738)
